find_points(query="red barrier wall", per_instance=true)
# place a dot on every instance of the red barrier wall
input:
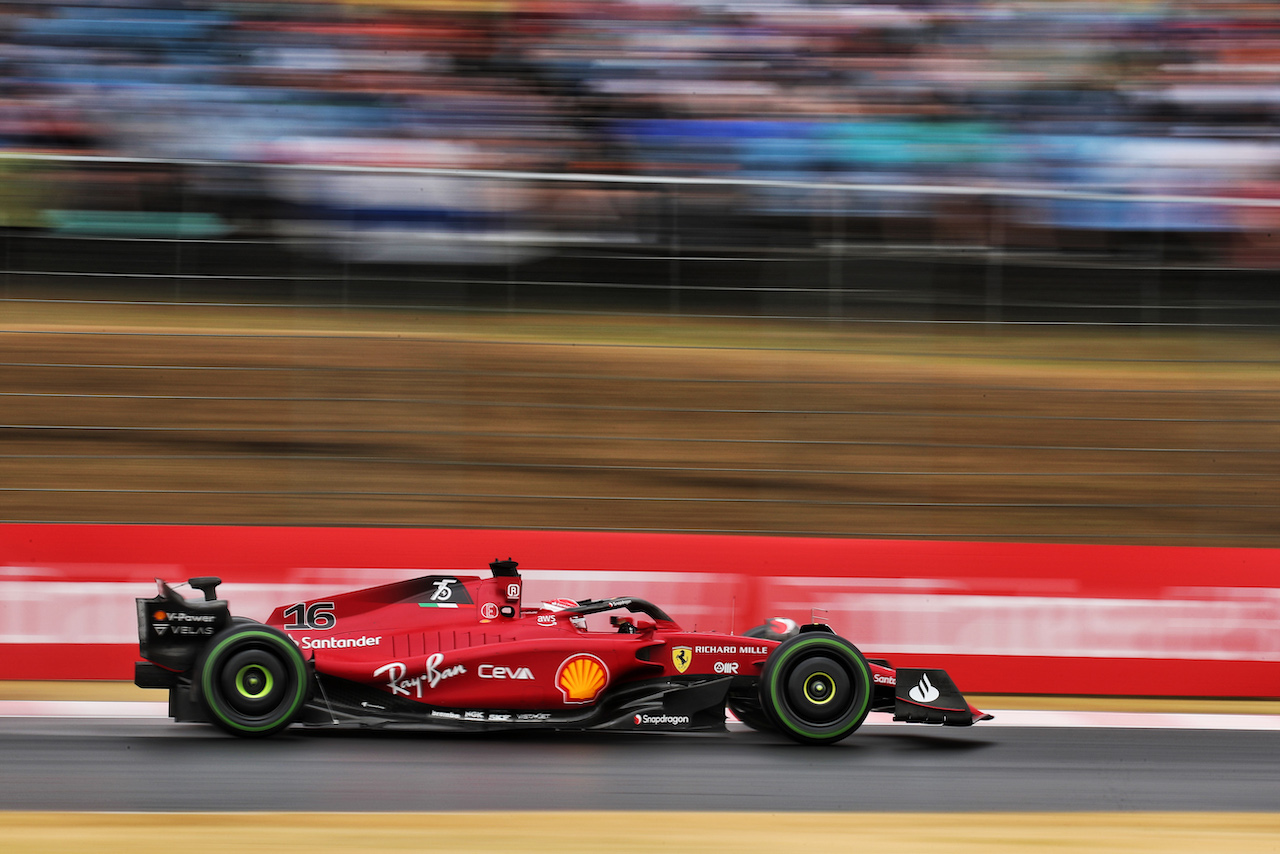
(1003, 618)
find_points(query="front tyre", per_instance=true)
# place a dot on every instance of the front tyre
(816, 688)
(252, 681)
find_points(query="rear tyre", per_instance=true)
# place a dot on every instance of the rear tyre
(251, 680)
(816, 688)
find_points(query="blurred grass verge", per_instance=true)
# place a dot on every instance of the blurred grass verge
(802, 832)
(259, 414)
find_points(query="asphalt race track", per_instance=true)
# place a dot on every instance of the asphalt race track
(93, 764)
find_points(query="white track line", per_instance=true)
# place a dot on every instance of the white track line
(1110, 720)
(1004, 717)
(80, 709)
(1131, 720)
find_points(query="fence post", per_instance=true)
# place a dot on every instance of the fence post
(673, 246)
(995, 261)
(835, 267)
(1151, 282)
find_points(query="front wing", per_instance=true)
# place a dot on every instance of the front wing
(928, 696)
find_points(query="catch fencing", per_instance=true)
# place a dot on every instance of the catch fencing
(445, 238)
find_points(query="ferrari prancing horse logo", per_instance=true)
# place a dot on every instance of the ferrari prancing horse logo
(681, 657)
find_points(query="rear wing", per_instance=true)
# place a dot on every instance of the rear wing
(172, 630)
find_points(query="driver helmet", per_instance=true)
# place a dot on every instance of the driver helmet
(560, 605)
(774, 628)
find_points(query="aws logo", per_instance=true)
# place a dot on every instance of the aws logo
(581, 678)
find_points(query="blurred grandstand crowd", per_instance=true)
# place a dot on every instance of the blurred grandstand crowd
(1152, 99)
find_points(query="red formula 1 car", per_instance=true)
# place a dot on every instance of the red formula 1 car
(454, 652)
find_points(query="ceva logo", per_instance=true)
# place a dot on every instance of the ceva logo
(924, 692)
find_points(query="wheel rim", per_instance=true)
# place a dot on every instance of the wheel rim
(819, 690)
(254, 682)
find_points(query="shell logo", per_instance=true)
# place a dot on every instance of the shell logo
(581, 678)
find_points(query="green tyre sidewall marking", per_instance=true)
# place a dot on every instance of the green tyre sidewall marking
(293, 661)
(777, 701)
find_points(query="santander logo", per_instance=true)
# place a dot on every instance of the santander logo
(924, 692)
